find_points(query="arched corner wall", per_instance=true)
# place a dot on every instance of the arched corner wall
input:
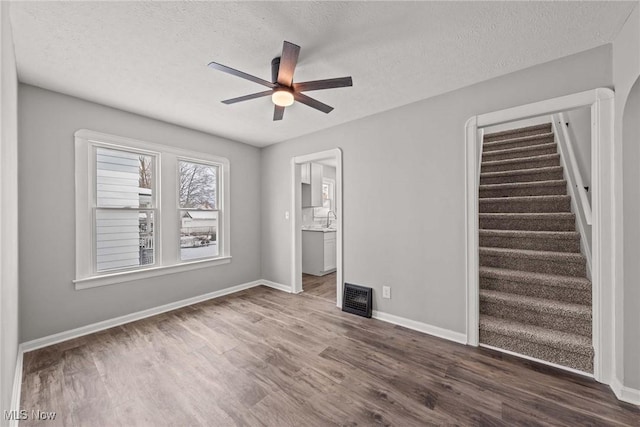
(631, 220)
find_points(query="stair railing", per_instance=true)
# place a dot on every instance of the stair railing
(479, 142)
(573, 172)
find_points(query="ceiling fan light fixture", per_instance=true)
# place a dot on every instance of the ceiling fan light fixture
(282, 98)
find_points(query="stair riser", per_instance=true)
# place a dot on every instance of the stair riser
(547, 190)
(539, 151)
(557, 293)
(525, 206)
(518, 133)
(488, 147)
(523, 177)
(531, 243)
(530, 164)
(523, 314)
(547, 266)
(573, 360)
(531, 224)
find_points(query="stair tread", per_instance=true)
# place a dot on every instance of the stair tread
(580, 283)
(530, 234)
(520, 160)
(524, 215)
(526, 253)
(543, 128)
(519, 149)
(508, 199)
(547, 306)
(526, 184)
(521, 172)
(516, 139)
(536, 334)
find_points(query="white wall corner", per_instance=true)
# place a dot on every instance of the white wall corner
(471, 122)
(17, 386)
(625, 394)
(471, 230)
(278, 286)
(604, 93)
(425, 328)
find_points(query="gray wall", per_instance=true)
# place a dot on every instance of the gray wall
(8, 213)
(48, 301)
(404, 199)
(626, 69)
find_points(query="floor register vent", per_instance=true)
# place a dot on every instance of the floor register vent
(357, 300)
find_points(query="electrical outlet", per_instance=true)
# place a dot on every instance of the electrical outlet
(286, 215)
(386, 292)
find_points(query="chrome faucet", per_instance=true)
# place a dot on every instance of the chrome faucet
(329, 217)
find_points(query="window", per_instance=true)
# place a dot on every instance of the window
(136, 217)
(328, 197)
(124, 209)
(198, 209)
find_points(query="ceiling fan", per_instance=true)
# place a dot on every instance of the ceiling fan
(282, 89)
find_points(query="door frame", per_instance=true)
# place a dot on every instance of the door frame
(296, 220)
(606, 210)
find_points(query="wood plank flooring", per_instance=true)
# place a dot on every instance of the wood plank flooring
(262, 357)
(320, 286)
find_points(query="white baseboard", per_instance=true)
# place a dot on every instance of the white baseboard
(17, 387)
(626, 394)
(421, 327)
(110, 323)
(278, 286)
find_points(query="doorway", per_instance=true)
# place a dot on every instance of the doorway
(323, 222)
(604, 184)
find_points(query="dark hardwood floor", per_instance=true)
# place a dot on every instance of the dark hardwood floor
(262, 357)
(320, 286)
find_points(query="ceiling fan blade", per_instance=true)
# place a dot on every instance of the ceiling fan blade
(278, 112)
(313, 103)
(247, 97)
(323, 84)
(288, 62)
(246, 76)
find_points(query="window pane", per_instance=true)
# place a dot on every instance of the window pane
(124, 239)
(198, 185)
(123, 179)
(198, 234)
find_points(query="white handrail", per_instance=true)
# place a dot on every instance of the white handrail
(574, 177)
(479, 144)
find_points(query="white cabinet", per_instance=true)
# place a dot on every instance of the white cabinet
(318, 252)
(311, 178)
(329, 251)
(305, 173)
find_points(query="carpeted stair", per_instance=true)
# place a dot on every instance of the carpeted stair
(535, 297)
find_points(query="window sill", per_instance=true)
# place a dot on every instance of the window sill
(128, 276)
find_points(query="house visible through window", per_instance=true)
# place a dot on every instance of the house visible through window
(124, 209)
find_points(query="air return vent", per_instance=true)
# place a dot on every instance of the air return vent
(357, 300)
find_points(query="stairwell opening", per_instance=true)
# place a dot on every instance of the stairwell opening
(606, 220)
(534, 291)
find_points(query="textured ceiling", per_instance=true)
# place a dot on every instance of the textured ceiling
(151, 57)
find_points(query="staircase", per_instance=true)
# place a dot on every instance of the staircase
(535, 297)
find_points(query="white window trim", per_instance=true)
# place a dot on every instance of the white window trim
(167, 257)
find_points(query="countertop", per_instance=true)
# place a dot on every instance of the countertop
(319, 229)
